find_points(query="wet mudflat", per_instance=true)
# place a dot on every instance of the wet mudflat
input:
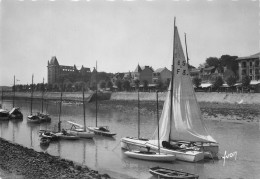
(105, 155)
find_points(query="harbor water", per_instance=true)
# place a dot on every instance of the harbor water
(239, 142)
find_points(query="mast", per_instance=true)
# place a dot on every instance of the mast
(157, 107)
(14, 92)
(2, 97)
(172, 76)
(138, 114)
(59, 123)
(32, 95)
(186, 51)
(96, 93)
(42, 94)
(84, 117)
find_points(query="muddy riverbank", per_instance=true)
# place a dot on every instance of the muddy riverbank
(20, 162)
(210, 111)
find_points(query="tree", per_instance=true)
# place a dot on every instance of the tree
(196, 81)
(137, 83)
(212, 61)
(230, 62)
(159, 85)
(145, 83)
(126, 85)
(102, 84)
(69, 87)
(246, 81)
(218, 82)
(119, 84)
(49, 87)
(231, 80)
(109, 85)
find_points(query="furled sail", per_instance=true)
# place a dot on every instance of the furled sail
(186, 123)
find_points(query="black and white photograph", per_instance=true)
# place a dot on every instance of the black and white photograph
(129, 89)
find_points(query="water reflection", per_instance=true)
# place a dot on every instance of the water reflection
(105, 154)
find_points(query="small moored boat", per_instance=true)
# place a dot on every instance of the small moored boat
(49, 135)
(4, 115)
(102, 130)
(66, 136)
(160, 172)
(45, 141)
(151, 156)
(15, 113)
(33, 119)
(78, 130)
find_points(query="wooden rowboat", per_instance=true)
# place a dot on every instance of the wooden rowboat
(160, 172)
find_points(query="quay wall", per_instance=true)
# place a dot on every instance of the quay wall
(214, 97)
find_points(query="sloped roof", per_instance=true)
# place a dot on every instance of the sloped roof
(54, 61)
(159, 70)
(147, 67)
(257, 55)
(138, 69)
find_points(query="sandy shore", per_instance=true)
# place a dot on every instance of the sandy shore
(20, 162)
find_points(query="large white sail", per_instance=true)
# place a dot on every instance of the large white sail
(186, 123)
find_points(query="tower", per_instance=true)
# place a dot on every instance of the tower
(53, 70)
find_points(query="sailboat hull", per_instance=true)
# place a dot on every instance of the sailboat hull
(97, 131)
(210, 150)
(151, 156)
(67, 136)
(183, 155)
(81, 134)
(133, 143)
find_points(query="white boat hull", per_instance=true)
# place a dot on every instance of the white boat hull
(67, 137)
(159, 157)
(82, 134)
(130, 143)
(185, 155)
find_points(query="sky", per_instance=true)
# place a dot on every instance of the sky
(119, 34)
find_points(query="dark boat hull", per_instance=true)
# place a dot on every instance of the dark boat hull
(172, 174)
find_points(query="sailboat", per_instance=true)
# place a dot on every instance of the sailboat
(78, 129)
(63, 134)
(182, 130)
(100, 130)
(15, 112)
(44, 116)
(33, 118)
(152, 156)
(136, 143)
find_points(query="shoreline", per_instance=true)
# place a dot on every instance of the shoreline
(213, 97)
(21, 162)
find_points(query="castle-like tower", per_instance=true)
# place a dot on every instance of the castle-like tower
(55, 70)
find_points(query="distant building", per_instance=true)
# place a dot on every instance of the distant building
(208, 73)
(249, 66)
(143, 73)
(195, 73)
(55, 70)
(162, 74)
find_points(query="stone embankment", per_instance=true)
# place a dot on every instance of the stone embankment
(22, 162)
(222, 97)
